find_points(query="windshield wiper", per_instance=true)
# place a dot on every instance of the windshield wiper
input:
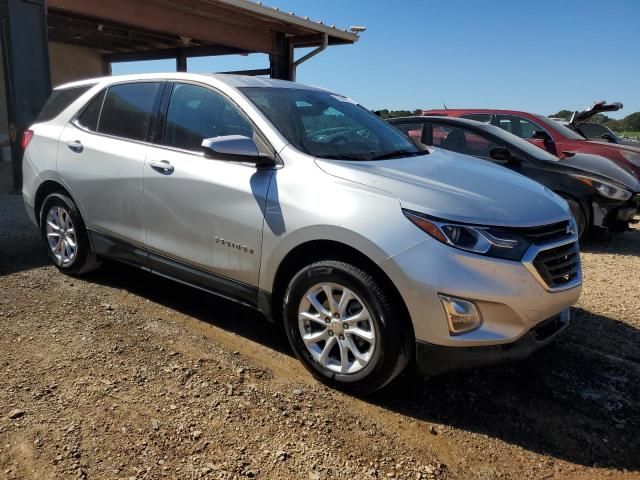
(340, 157)
(400, 153)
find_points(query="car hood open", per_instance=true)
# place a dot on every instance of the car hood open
(579, 118)
(457, 187)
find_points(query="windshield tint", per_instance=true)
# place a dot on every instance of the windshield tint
(521, 144)
(558, 127)
(326, 125)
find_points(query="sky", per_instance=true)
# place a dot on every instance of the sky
(539, 56)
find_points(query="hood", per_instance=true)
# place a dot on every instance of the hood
(602, 167)
(598, 107)
(457, 187)
(618, 146)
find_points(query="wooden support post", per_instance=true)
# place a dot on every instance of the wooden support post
(181, 61)
(281, 61)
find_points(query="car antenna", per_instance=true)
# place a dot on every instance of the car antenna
(444, 104)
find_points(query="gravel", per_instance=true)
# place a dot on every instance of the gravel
(122, 375)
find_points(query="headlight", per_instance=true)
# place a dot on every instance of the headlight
(606, 189)
(631, 157)
(490, 241)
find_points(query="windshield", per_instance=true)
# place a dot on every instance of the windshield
(566, 132)
(327, 125)
(527, 147)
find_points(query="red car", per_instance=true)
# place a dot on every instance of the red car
(550, 135)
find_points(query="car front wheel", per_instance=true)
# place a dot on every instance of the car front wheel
(343, 327)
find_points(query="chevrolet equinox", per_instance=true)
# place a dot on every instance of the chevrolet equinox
(300, 203)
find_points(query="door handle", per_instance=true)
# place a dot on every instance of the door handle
(162, 166)
(75, 146)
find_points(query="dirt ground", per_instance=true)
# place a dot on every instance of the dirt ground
(123, 375)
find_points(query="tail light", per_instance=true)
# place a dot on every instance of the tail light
(26, 138)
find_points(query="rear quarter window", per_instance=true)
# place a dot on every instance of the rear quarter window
(91, 114)
(59, 100)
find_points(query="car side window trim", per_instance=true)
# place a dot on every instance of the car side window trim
(159, 116)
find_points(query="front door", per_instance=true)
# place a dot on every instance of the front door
(204, 216)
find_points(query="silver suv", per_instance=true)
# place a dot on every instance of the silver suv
(300, 203)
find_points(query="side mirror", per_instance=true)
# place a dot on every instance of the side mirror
(235, 148)
(501, 154)
(542, 135)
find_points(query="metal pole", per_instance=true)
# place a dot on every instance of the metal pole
(312, 53)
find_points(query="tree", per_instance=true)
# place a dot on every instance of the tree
(564, 114)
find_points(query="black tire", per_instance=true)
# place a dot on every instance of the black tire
(393, 342)
(84, 259)
(579, 214)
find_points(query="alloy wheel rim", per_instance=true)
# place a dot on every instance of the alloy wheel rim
(337, 328)
(61, 235)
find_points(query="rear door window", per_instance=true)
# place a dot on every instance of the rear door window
(59, 101)
(461, 140)
(127, 110)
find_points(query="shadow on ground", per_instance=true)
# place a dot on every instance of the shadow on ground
(575, 400)
(627, 243)
(20, 244)
(203, 306)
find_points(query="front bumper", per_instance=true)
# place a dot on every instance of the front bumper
(512, 298)
(611, 215)
(437, 359)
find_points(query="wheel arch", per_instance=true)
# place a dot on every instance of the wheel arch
(317, 250)
(45, 189)
(584, 204)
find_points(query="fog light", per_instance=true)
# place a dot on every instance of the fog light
(462, 315)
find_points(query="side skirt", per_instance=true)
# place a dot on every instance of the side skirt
(221, 286)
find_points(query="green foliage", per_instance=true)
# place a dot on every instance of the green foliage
(397, 113)
(564, 114)
(632, 135)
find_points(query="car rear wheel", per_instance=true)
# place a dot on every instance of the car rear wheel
(65, 235)
(342, 326)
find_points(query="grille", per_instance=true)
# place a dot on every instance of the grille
(558, 266)
(546, 233)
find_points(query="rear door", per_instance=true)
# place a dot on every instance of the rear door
(101, 157)
(204, 216)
